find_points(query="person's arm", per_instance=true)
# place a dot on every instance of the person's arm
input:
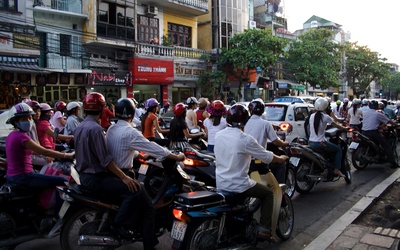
(61, 121)
(278, 142)
(193, 118)
(157, 126)
(133, 185)
(335, 118)
(189, 135)
(337, 125)
(206, 131)
(60, 136)
(48, 152)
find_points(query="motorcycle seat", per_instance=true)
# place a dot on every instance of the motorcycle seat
(19, 190)
(233, 198)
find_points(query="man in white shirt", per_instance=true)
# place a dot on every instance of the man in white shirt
(233, 152)
(263, 131)
(123, 144)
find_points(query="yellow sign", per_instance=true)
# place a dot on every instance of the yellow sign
(26, 42)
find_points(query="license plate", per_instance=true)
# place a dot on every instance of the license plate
(349, 135)
(294, 161)
(257, 161)
(353, 145)
(178, 230)
(143, 169)
(63, 209)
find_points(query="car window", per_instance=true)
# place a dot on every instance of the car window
(275, 112)
(300, 113)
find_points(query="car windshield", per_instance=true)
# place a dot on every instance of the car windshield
(275, 112)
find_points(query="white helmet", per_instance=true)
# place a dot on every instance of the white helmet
(321, 104)
(19, 110)
(398, 104)
(356, 101)
(72, 105)
(364, 102)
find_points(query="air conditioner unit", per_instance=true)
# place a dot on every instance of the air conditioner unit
(151, 10)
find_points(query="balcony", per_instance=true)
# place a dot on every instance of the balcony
(191, 7)
(71, 6)
(276, 21)
(145, 49)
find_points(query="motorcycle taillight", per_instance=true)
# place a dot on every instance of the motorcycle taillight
(286, 127)
(189, 162)
(293, 151)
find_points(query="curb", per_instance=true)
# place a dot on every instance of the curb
(331, 233)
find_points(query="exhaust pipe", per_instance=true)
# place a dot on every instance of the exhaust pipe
(97, 240)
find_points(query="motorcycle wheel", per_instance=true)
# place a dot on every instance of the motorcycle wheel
(85, 221)
(285, 225)
(8, 225)
(358, 157)
(202, 235)
(346, 171)
(290, 180)
(303, 185)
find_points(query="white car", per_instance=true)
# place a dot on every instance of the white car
(5, 125)
(289, 117)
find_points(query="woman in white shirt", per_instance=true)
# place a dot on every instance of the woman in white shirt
(215, 122)
(355, 115)
(318, 123)
(191, 117)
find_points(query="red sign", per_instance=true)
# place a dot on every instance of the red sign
(151, 71)
(252, 75)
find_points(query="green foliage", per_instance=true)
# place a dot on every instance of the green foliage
(249, 50)
(315, 58)
(392, 83)
(364, 66)
(166, 41)
(211, 83)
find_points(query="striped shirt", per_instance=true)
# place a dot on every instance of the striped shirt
(123, 141)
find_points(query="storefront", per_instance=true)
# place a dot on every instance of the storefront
(187, 72)
(151, 78)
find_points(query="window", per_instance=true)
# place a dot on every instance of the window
(180, 35)
(115, 21)
(10, 5)
(148, 28)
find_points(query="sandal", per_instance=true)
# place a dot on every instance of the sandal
(267, 236)
(338, 173)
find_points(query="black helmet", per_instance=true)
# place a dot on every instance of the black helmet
(257, 107)
(373, 104)
(125, 108)
(237, 115)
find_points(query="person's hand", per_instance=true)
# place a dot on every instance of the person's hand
(180, 156)
(283, 158)
(49, 159)
(69, 155)
(133, 185)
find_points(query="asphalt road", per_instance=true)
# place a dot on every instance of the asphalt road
(314, 212)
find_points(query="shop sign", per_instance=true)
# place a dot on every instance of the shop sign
(151, 71)
(19, 44)
(100, 78)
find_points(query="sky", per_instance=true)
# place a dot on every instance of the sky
(374, 24)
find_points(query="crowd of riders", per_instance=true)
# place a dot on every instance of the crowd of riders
(106, 142)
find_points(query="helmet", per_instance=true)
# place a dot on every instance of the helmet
(72, 105)
(203, 102)
(237, 115)
(26, 100)
(345, 100)
(398, 104)
(167, 104)
(381, 105)
(179, 109)
(356, 101)
(321, 104)
(34, 105)
(18, 110)
(45, 107)
(257, 107)
(364, 102)
(60, 106)
(125, 108)
(373, 104)
(338, 102)
(217, 108)
(192, 100)
(152, 102)
(94, 101)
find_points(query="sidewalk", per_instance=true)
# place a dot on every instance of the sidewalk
(344, 235)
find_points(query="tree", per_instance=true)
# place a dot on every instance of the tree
(315, 58)
(364, 66)
(249, 50)
(211, 83)
(392, 84)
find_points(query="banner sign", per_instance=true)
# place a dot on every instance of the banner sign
(151, 71)
(101, 78)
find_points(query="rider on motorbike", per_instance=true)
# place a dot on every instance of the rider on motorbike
(233, 151)
(318, 124)
(100, 175)
(371, 122)
(355, 115)
(263, 131)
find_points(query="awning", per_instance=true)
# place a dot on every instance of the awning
(20, 65)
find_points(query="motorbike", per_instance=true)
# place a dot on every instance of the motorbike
(314, 166)
(88, 218)
(366, 151)
(200, 165)
(23, 216)
(225, 220)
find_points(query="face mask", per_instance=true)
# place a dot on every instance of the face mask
(25, 126)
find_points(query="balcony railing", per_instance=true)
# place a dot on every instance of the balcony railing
(145, 49)
(74, 6)
(200, 4)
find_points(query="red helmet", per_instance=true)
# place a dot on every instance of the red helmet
(60, 106)
(34, 105)
(179, 109)
(94, 102)
(217, 108)
(167, 104)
